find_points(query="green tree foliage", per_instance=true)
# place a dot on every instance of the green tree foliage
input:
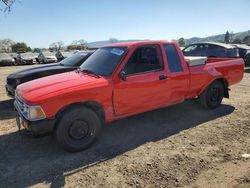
(182, 42)
(5, 45)
(227, 37)
(6, 5)
(75, 47)
(113, 40)
(20, 47)
(237, 41)
(247, 39)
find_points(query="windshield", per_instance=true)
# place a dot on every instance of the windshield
(48, 54)
(66, 54)
(104, 60)
(74, 60)
(28, 55)
(4, 56)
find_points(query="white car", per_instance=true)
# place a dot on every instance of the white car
(46, 57)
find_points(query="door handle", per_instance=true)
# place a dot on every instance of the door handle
(163, 77)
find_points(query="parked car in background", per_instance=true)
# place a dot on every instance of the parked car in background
(60, 55)
(13, 54)
(211, 49)
(68, 64)
(27, 58)
(244, 52)
(6, 59)
(46, 57)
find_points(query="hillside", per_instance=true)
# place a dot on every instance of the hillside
(219, 37)
(239, 35)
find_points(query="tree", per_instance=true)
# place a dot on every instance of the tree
(53, 46)
(181, 42)
(56, 45)
(7, 5)
(237, 41)
(75, 47)
(227, 37)
(5, 44)
(113, 40)
(83, 43)
(59, 45)
(246, 39)
(20, 46)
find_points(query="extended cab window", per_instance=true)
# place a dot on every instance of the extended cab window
(144, 59)
(173, 58)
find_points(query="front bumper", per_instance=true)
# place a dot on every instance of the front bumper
(50, 60)
(10, 90)
(36, 127)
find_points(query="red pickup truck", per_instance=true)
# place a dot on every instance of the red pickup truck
(117, 81)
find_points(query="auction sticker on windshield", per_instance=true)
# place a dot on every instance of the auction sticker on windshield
(117, 51)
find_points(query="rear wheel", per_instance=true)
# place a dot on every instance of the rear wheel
(77, 129)
(212, 97)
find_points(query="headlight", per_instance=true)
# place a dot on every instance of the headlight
(35, 113)
(29, 112)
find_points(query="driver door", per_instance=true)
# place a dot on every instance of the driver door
(146, 82)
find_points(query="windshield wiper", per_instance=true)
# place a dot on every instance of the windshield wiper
(78, 70)
(87, 71)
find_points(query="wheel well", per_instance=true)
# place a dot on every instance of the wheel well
(225, 85)
(93, 105)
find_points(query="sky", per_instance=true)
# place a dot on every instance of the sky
(40, 23)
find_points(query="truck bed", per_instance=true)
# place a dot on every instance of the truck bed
(232, 70)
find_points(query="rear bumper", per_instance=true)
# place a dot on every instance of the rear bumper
(10, 90)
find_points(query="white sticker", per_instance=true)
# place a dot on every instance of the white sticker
(117, 51)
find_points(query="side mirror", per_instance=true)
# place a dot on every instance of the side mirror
(122, 75)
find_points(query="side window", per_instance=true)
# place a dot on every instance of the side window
(173, 58)
(144, 59)
(192, 48)
(215, 47)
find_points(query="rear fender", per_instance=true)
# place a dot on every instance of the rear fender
(216, 75)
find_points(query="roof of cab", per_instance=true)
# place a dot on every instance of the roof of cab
(136, 43)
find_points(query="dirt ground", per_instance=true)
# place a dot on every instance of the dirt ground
(178, 146)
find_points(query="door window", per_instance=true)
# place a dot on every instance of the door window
(144, 59)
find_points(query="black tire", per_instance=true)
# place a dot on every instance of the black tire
(77, 128)
(212, 97)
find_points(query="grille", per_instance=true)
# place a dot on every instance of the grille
(11, 81)
(21, 107)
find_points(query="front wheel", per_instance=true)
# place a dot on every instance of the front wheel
(212, 97)
(77, 129)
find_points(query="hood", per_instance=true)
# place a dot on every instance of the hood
(51, 57)
(6, 59)
(27, 58)
(27, 72)
(58, 85)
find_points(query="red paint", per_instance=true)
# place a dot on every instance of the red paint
(140, 93)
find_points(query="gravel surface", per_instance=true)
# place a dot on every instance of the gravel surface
(179, 146)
